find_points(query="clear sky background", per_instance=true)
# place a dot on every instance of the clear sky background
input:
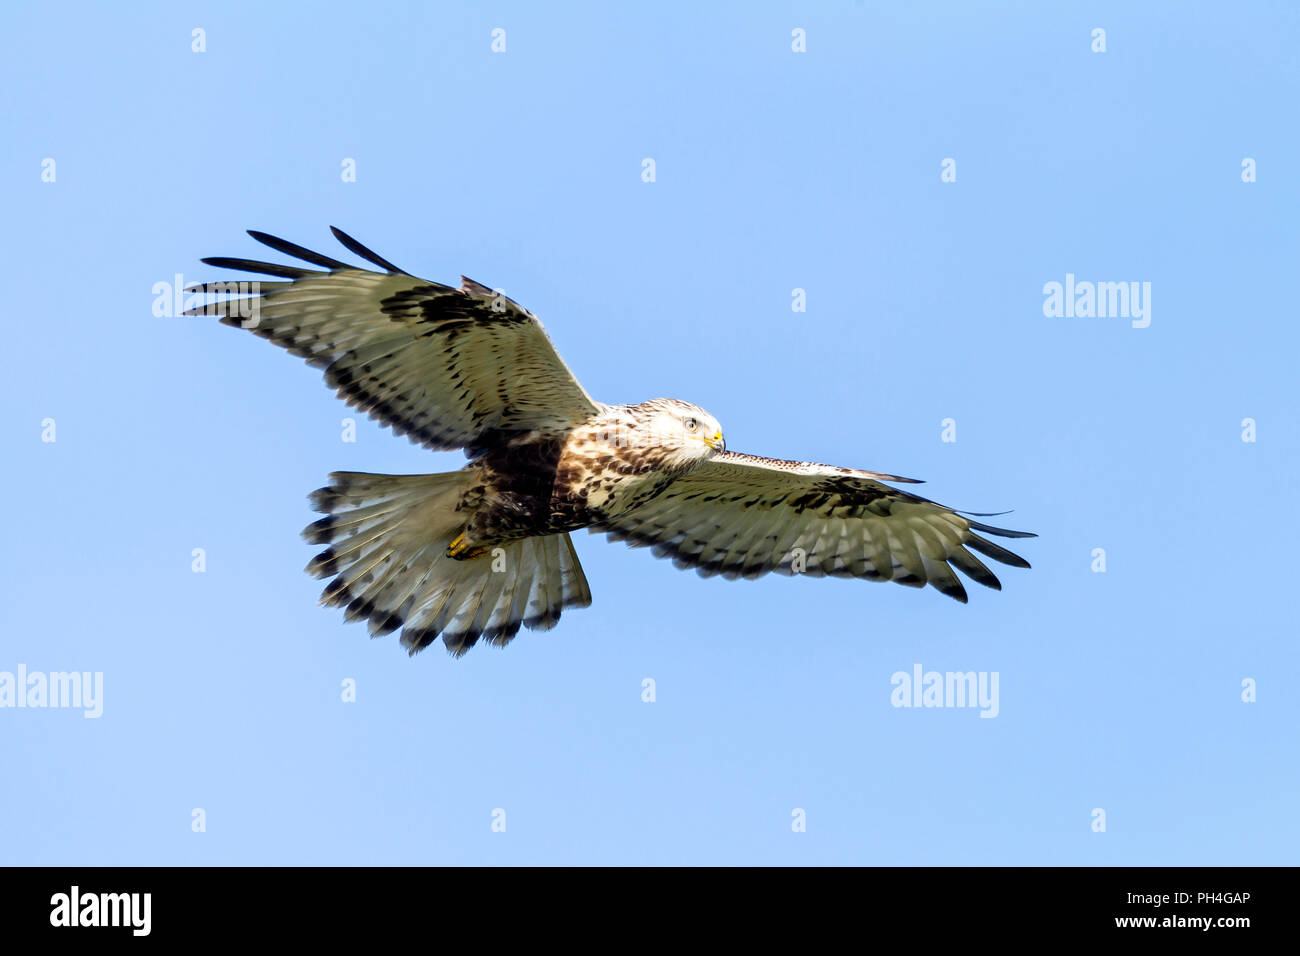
(775, 170)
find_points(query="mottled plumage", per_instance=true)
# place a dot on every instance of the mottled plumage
(475, 554)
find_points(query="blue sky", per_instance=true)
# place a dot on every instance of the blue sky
(774, 171)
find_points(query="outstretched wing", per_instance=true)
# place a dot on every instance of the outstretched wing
(450, 368)
(743, 516)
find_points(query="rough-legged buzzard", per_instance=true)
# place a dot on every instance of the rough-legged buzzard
(475, 553)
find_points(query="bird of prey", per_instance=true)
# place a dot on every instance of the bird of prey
(475, 553)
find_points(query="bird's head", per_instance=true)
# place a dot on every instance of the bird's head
(690, 433)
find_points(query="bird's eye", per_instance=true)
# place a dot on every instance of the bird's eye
(691, 424)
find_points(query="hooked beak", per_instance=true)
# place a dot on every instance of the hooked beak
(717, 442)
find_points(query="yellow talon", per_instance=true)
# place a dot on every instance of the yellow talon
(462, 551)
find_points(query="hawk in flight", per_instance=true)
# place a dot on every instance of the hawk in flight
(475, 553)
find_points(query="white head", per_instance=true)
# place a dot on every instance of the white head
(687, 431)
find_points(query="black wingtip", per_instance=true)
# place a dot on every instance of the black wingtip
(368, 254)
(994, 551)
(262, 268)
(297, 251)
(956, 592)
(1001, 532)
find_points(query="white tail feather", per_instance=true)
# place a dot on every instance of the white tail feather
(388, 537)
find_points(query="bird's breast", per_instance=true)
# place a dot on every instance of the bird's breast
(599, 483)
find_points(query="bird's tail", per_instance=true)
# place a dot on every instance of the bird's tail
(388, 537)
